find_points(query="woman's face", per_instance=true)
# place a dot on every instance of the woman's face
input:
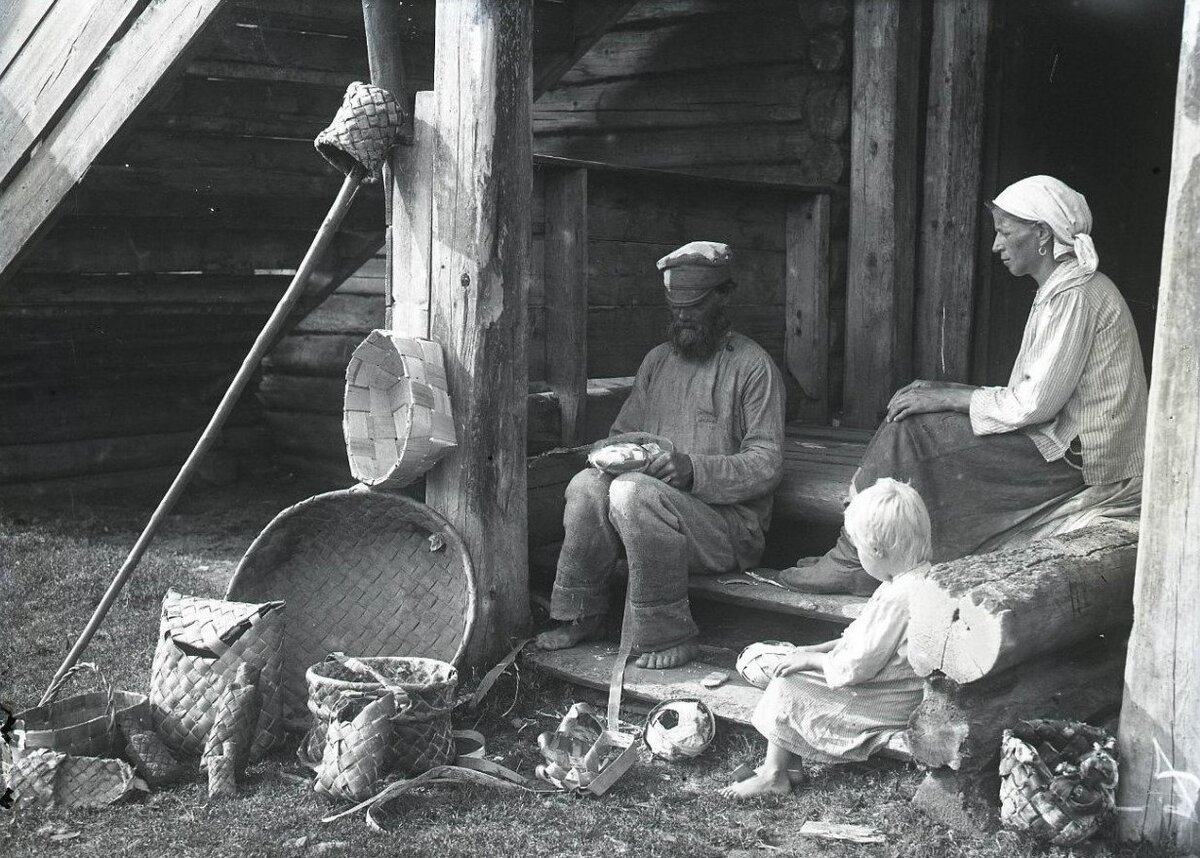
(1017, 243)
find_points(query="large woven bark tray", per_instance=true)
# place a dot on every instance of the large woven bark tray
(362, 571)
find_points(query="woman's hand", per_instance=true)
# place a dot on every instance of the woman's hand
(924, 397)
(674, 469)
(798, 660)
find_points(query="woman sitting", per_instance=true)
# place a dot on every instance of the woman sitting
(1056, 448)
(842, 700)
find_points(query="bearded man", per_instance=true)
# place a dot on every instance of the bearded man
(701, 509)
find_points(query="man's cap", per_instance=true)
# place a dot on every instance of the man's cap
(694, 270)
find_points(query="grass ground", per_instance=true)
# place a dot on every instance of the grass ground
(56, 563)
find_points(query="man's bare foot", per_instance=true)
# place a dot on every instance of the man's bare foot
(764, 782)
(670, 657)
(570, 634)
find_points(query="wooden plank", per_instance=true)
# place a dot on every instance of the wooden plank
(17, 23)
(950, 208)
(29, 462)
(672, 210)
(785, 153)
(883, 206)
(156, 42)
(412, 224)
(481, 267)
(198, 152)
(344, 314)
(693, 98)
(806, 304)
(50, 68)
(280, 391)
(313, 354)
(982, 614)
(587, 24)
(1160, 736)
(743, 590)
(228, 294)
(262, 108)
(566, 285)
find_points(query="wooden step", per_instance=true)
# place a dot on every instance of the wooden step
(748, 592)
(590, 665)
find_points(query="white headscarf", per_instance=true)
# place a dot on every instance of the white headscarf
(1065, 211)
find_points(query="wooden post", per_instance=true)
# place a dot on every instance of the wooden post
(883, 206)
(483, 183)
(566, 296)
(412, 224)
(1160, 730)
(806, 303)
(945, 295)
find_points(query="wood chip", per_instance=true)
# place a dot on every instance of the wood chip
(838, 831)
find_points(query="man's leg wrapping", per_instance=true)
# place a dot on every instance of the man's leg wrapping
(590, 548)
(667, 534)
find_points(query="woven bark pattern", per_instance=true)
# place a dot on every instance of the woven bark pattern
(422, 735)
(83, 724)
(365, 572)
(234, 722)
(358, 752)
(201, 644)
(1058, 780)
(396, 419)
(363, 129)
(222, 776)
(152, 759)
(41, 777)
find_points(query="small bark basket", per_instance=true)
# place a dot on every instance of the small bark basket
(83, 724)
(1058, 779)
(418, 732)
(396, 420)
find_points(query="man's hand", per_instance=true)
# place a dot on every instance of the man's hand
(674, 469)
(924, 397)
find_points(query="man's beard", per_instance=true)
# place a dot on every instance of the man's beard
(700, 342)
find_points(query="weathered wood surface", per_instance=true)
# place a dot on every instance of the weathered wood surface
(951, 206)
(481, 267)
(959, 726)
(412, 225)
(131, 67)
(17, 23)
(1160, 733)
(588, 22)
(806, 305)
(982, 614)
(51, 65)
(566, 288)
(883, 206)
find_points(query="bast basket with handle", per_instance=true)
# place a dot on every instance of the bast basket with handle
(83, 724)
(421, 735)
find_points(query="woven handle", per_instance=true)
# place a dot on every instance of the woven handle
(110, 706)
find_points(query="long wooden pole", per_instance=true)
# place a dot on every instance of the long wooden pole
(483, 183)
(1160, 719)
(262, 344)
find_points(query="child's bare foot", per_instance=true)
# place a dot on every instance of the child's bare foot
(670, 657)
(764, 782)
(570, 634)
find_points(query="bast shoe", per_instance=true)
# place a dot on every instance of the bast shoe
(815, 575)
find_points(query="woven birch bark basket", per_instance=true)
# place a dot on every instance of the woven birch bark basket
(373, 573)
(396, 417)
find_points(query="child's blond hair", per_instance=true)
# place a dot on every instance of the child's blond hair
(889, 522)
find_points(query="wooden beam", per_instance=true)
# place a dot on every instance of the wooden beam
(806, 314)
(591, 20)
(17, 23)
(566, 280)
(883, 206)
(412, 224)
(1160, 734)
(155, 44)
(984, 613)
(481, 268)
(51, 66)
(951, 206)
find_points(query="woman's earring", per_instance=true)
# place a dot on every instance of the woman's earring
(1042, 250)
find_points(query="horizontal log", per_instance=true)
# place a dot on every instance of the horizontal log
(786, 153)
(253, 107)
(698, 98)
(344, 314)
(656, 12)
(828, 49)
(637, 48)
(959, 726)
(669, 211)
(825, 13)
(623, 274)
(227, 294)
(147, 482)
(33, 462)
(197, 152)
(982, 614)
(313, 354)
